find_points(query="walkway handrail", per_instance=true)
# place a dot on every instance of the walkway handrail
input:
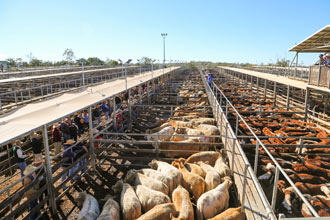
(277, 165)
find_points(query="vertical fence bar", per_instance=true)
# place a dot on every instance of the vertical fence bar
(233, 154)
(244, 185)
(265, 89)
(114, 113)
(288, 98)
(9, 160)
(91, 139)
(256, 158)
(236, 126)
(48, 170)
(277, 173)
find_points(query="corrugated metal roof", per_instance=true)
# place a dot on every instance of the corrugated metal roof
(318, 42)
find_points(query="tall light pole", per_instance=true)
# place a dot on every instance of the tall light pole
(164, 35)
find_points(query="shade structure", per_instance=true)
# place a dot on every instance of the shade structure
(318, 42)
(33, 116)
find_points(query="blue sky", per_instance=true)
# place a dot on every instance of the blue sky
(226, 31)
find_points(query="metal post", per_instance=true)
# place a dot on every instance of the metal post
(265, 89)
(301, 144)
(277, 173)
(83, 74)
(226, 108)
(257, 85)
(295, 70)
(236, 127)
(9, 160)
(114, 114)
(226, 135)
(233, 154)
(130, 109)
(288, 98)
(91, 138)
(125, 79)
(48, 170)
(244, 184)
(256, 158)
(306, 103)
(274, 93)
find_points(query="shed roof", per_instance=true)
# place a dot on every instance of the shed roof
(317, 42)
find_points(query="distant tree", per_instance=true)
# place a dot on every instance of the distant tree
(282, 62)
(145, 61)
(11, 62)
(61, 63)
(113, 63)
(19, 61)
(35, 62)
(94, 61)
(82, 60)
(192, 65)
(69, 55)
(47, 63)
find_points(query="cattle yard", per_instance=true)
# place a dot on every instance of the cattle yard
(277, 150)
(29, 88)
(271, 125)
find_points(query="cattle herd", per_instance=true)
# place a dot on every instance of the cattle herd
(169, 191)
(193, 186)
(285, 134)
(196, 185)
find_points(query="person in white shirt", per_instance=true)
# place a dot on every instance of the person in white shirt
(19, 156)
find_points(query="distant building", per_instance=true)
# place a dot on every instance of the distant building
(5, 66)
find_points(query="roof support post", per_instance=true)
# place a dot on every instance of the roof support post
(295, 70)
(129, 102)
(91, 138)
(49, 178)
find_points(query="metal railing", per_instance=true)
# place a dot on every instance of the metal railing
(215, 90)
(233, 144)
(23, 95)
(292, 72)
(17, 206)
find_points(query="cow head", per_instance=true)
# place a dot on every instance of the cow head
(81, 198)
(118, 187)
(153, 164)
(130, 177)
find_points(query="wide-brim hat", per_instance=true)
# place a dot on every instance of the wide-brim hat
(327, 55)
(35, 135)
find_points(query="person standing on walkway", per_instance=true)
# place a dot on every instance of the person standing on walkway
(36, 148)
(19, 156)
(57, 139)
(209, 79)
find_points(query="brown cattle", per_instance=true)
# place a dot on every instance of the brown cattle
(307, 178)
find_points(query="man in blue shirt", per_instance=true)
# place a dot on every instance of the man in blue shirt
(209, 79)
